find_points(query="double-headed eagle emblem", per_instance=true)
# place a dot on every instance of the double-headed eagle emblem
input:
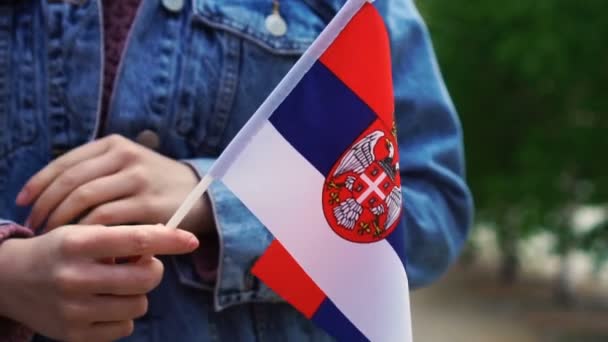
(363, 192)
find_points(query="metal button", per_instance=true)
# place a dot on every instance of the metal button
(276, 25)
(173, 5)
(149, 139)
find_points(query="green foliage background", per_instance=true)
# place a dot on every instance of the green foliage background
(529, 79)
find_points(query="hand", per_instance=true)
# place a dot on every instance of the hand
(58, 285)
(113, 181)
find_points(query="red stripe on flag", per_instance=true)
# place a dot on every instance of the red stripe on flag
(360, 57)
(279, 271)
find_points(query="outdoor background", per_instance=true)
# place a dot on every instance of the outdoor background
(529, 81)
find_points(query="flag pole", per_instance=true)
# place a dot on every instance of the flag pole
(190, 201)
(253, 125)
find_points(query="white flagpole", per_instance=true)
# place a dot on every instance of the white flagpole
(287, 84)
(189, 202)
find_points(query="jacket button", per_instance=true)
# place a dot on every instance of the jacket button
(173, 5)
(276, 25)
(149, 139)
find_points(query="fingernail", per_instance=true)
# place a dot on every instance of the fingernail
(193, 243)
(22, 197)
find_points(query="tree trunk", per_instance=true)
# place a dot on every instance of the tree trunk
(468, 255)
(509, 269)
(509, 265)
(564, 291)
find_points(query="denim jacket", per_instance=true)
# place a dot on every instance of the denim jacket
(192, 74)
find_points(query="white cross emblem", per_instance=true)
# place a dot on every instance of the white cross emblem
(372, 186)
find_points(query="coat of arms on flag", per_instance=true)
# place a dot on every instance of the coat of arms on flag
(362, 196)
(318, 165)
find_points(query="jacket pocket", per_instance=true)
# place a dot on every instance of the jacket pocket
(235, 62)
(247, 19)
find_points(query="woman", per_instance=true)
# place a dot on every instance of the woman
(112, 110)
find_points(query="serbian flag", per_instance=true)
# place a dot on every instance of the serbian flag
(318, 165)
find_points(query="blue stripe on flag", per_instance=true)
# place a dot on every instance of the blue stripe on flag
(321, 118)
(330, 318)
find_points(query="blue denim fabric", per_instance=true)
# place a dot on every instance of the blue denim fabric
(195, 77)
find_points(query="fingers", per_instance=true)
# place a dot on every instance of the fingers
(118, 212)
(39, 182)
(106, 308)
(89, 196)
(69, 180)
(101, 242)
(117, 308)
(108, 331)
(120, 279)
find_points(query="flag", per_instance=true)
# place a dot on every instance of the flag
(318, 165)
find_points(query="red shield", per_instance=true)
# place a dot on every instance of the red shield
(360, 193)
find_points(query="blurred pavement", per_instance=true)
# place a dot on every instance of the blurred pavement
(471, 305)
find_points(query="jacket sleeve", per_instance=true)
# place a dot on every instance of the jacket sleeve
(241, 238)
(10, 229)
(438, 206)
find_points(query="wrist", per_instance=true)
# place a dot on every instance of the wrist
(200, 220)
(13, 252)
(208, 220)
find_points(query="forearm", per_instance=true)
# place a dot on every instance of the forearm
(10, 330)
(205, 225)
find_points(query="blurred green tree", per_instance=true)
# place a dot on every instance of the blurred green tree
(529, 79)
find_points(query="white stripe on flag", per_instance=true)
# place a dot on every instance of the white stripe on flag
(367, 282)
